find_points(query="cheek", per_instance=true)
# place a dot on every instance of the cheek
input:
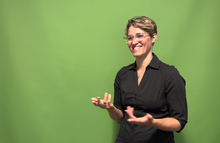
(129, 45)
(146, 43)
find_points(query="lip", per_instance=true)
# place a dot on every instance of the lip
(136, 48)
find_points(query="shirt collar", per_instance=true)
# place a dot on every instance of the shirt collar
(155, 62)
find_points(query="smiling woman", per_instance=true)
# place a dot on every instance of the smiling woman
(142, 44)
(149, 98)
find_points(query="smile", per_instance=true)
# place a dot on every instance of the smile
(136, 48)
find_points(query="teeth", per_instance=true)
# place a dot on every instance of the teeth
(136, 48)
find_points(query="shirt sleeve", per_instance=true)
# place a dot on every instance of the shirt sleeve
(117, 93)
(176, 97)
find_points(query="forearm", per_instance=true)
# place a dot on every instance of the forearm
(115, 114)
(166, 124)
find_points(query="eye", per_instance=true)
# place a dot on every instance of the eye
(130, 37)
(140, 35)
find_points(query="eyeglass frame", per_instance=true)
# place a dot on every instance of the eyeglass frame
(127, 39)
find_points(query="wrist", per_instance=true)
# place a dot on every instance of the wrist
(111, 108)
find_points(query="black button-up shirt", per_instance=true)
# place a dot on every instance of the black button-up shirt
(160, 93)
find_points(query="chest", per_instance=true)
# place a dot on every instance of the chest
(146, 93)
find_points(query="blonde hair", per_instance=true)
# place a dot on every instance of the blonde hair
(144, 23)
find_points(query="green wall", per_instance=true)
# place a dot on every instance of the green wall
(56, 55)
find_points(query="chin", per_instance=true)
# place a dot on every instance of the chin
(137, 55)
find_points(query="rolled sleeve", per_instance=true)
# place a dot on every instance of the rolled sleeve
(117, 93)
(176, 97)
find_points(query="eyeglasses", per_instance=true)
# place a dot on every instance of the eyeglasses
(138, 37)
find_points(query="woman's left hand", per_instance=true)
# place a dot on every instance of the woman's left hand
(146, 120)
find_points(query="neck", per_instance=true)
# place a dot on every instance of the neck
(143, 62)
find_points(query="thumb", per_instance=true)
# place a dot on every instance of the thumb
(129, 111)
(149, 117)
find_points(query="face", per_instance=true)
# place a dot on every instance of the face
(140, 48)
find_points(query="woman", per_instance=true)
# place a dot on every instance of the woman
(149, 99)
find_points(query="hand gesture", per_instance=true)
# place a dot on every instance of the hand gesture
(146, 120)
(104, 104)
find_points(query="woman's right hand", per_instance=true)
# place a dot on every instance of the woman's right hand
(105, 103)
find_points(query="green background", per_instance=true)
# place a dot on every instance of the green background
(56, 55)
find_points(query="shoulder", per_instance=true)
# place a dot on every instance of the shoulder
(168, 69)
(170, 72)
(122, 73)
(125, 69)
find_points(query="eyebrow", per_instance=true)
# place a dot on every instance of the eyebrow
(138, 33)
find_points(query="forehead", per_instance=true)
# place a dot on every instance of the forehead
(133, 30)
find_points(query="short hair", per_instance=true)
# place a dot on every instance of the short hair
(142, 22)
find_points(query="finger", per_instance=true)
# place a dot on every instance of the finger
(98, 100)
(149, 117)
(94, 103)
(105, 97)
(129, 111)
(109, 100)
(134, 121)
(130, 114)
(131, 120)
(138, 121)
(93, 99)
(129, 107)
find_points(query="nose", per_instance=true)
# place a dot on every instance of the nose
(134, 41)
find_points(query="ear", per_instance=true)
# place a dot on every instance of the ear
(154, 38)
